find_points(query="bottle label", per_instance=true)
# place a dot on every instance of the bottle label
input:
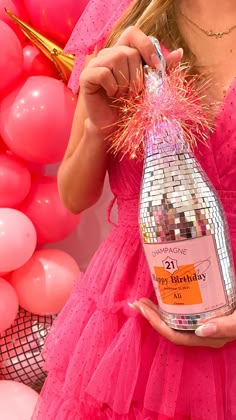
(186, 275)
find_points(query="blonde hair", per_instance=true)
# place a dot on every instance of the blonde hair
(156, 18)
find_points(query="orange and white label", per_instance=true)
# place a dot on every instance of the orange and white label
(186, 275)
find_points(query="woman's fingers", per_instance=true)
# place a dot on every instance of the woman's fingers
(119, 69)
(125, 64)
(93, 79)
(134, 38)
(174, 58)
(150, 311)
(116, 71)
(222, 327)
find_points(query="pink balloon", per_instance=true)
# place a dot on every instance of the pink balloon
(16, 7)
(9, 304)
(11, 56)
(52, 221)
(36, 168)
(36, 63)
(18, 239)
(44, 283)
(15, 180)
(17, 401)
(56, 22)
(3, 146)
(3, 273)
(36, 118)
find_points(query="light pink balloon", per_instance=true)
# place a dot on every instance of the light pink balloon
(36, 63)
(45, 282)
(16, 7)
(11, 56)
(15, 180)
(52, 221)
(36, 118)
(18, 239)
(9, 305)
(55, 21)
(17, 401)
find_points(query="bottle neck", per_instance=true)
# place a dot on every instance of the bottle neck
(166, 139)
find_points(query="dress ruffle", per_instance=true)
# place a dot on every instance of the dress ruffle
(106, 362)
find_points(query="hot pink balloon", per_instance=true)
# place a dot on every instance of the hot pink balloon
(36, 63)
(52, 221)
(36, 118)
(36, 168)
(11, 56)
(16, 7)
(15, 180)
(44, 283)
(6, 276)
(18, 239)
(3, 146)
(9, 305)
(3, 273)
(56, 22)
(17, 401)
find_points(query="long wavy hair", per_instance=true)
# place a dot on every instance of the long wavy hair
(156, 18)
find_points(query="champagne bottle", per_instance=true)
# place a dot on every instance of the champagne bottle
(184, 231)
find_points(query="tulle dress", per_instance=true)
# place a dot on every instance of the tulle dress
(104, 360)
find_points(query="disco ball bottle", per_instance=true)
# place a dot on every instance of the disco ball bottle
(184, 232)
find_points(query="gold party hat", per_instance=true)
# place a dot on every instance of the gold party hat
(63, 62)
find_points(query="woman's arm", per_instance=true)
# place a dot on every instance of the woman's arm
(82, 171)
(111, 74)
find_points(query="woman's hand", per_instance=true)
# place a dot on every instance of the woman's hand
(114, 72)
(213, 333)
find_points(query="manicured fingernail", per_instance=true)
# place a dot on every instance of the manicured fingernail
(181, 51)
(143, 312)
(155, 61)
(137, 307)
(139, 79)
(132, 306)
(206, 330)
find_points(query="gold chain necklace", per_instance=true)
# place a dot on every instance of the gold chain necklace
(209, 33)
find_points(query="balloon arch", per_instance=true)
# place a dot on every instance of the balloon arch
(36, 277)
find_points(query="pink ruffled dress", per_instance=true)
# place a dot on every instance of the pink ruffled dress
(104, 360)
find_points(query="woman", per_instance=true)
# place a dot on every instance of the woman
(105, 361)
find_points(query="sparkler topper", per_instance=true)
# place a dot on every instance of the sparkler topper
(165, 96)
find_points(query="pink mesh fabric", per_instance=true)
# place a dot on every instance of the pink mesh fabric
(91, 31)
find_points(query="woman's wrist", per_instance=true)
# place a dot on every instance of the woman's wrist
(91, 129)
(94, 134)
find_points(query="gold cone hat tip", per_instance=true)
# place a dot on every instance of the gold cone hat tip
(63, 62)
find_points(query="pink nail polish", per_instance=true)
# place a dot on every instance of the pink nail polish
(206, 330)
(143, 312)
(180, 50)
(137, 307)
(132, 306)
(155, 61)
